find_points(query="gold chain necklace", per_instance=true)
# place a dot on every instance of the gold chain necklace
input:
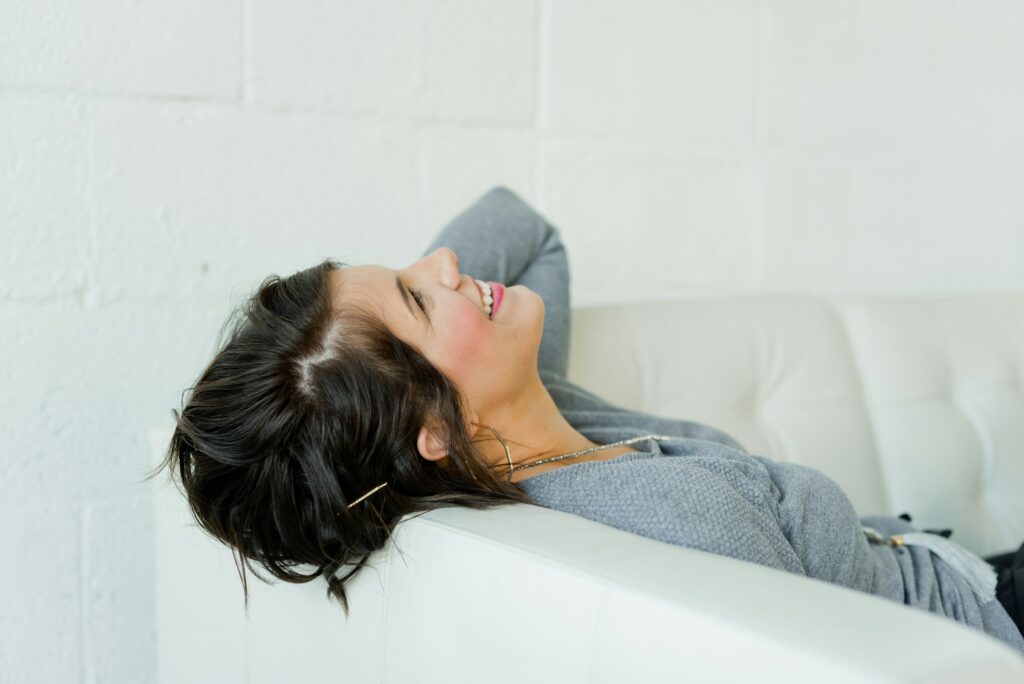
(582, 452)
(521, 466)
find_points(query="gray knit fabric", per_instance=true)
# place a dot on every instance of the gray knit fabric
(702, 490)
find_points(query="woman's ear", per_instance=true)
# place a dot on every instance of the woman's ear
(432, 441)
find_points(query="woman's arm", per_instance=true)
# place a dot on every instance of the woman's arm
(500, 237)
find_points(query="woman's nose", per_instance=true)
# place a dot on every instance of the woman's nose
(449, 254)
(449, 268)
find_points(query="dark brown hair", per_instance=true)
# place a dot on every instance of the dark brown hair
(305, 408)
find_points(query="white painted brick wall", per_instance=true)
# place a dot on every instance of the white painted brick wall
(180, 49)
(158, 159)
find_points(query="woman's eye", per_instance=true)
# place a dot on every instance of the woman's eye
(419, 300)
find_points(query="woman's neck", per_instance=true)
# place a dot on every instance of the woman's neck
(534, 429)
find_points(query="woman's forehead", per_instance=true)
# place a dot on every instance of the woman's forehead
(365, 285)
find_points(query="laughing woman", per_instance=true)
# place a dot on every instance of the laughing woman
(348, 397)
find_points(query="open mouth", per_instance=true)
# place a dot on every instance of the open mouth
(498, 295)
(491, 294)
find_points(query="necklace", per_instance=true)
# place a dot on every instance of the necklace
(521, 466)
(582, 452)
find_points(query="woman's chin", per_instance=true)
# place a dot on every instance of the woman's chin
(522, 304)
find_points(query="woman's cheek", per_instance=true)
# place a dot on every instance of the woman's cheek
(468, 347)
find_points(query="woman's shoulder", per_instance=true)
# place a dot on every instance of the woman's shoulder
(701, 502)
(585, 409)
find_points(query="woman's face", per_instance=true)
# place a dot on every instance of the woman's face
(488, 360)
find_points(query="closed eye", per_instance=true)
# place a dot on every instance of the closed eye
(419, 300)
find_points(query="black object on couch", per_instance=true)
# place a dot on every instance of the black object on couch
(1010, 577)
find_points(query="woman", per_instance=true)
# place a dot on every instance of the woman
(349, 397)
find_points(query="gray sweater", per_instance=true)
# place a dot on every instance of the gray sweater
(701, 490)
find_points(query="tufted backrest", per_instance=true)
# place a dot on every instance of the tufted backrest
(944, 385)
(911, 405)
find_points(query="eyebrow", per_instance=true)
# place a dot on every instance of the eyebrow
(405, 297)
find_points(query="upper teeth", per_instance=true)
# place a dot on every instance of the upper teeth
(488, 300)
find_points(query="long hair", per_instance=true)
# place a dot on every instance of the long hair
(307, 406)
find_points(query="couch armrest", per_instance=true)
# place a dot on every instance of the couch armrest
(524, 593)
(513, 593)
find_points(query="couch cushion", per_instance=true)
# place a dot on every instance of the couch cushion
(776, 372)
(944, 388)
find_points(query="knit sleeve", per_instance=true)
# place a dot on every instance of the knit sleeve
(500, 237)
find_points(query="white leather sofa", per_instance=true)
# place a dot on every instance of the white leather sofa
(911, 404)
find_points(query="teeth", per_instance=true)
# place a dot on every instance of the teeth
(488, 299)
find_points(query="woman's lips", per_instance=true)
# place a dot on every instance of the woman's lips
(497, 294)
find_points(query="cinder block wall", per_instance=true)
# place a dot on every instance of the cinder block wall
(158, 159)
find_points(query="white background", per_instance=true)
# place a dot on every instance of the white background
(159, 158)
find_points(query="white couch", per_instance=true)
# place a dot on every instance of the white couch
(911, 404)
